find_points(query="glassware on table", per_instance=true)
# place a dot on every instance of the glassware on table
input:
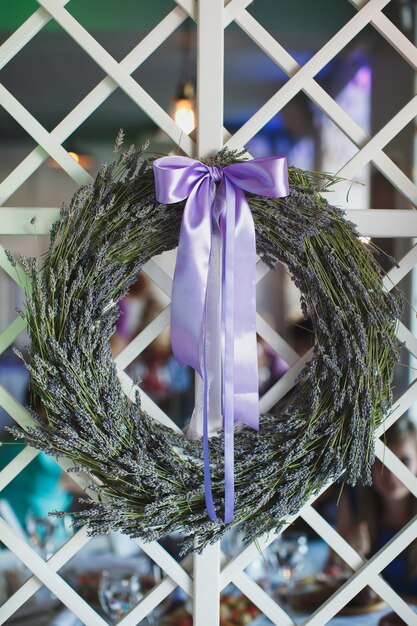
(290, 551)
(118, 592)
(40, 531)
(47, 534)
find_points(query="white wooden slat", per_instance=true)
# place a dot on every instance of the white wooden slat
(150, 601)
(33, 584)
(155, 596)
(83, 38)
(9, 335)
(233, 9)
(166, 586)
(325, 102)
(284, 384)
(51, 579)
(397, 272)
(92, 101)
(377, 223)
(16, 220)
(262, 600)
(275, 340)
(366, 572)
(393, 35)
(401, 406)
(42, 137)
(20, 461)
(352, 558)
(210, 76)
(394, 465)
(250, 552)
(262, 270)
(143, 339)
(168, 564)
(159, 276)
(206, 597)
(15, 409)
(16, 273)
(404, 335)
(189, 6)
(308, 71)
(380, 140)
(148, 405)
(23, 35)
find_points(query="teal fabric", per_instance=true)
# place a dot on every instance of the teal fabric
(36, 489)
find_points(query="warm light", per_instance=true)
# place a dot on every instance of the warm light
(365, 239)
(74, 156)
(87, 161)
(184, 115)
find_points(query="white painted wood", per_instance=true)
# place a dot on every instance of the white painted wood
(33, 584)
(374, 222)
(262, 600)
(11, 333)
(118, 74)
(148, 405)
(20, 461)
(233, 9)
(24, 34)
(51, 579)
(393, 35)
(394, 465)
(352, 558)
(325, 102)
(402, 268)
(211, 19)
(380, 140)
(284, 384)
(150, 601)
(143, 339)
(275, 340)
(404, 335)
(210, 76)
(169, 565)
(206, 596)
(401, 406)
(364, 574)
(15, 409)
(36, 130)
(159, 276)
(92, 101)
(308, 71)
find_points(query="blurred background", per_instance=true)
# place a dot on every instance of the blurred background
(52, 74)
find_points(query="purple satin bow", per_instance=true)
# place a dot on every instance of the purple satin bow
(214, 285)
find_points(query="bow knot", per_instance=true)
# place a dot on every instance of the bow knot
(215, 173)
(213, 312)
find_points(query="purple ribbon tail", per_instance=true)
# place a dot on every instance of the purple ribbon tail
(208, 492)
(228, 313)
(217, 217)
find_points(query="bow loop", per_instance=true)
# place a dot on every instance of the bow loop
(263, 177)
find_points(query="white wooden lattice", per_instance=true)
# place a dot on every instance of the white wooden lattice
(211, 17)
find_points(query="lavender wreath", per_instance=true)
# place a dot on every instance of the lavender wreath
(148, 478)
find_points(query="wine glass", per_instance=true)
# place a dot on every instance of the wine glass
(118, 592)
(290, 550)
(40, 531)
